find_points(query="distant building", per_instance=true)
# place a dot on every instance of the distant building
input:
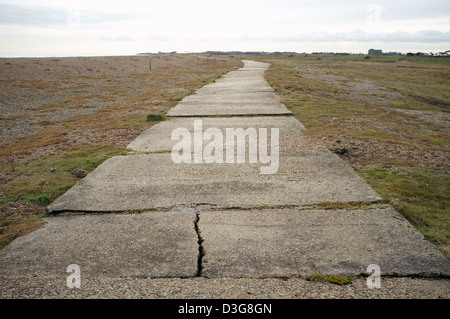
(375, 53)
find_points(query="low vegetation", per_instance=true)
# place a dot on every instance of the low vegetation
(155, 118)
(387, 117)
(40, 182)
(333, 279)
(111, 101)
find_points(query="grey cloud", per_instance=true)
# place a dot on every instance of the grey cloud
(47, 17)
(36, 16)
(415, 9)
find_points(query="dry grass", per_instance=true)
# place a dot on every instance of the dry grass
(387, 117)
(66, 113)
(412, 130)
(91, 102)
(18, 219)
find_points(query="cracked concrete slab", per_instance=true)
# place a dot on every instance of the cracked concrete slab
(158, 137)
(145, 181)
(293, 242)
(154, 244)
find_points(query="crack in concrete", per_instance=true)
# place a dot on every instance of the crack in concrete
(201, 250)
(287, 114)
(197, 207)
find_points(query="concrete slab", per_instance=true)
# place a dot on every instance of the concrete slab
(255, 64)
(155, 244)
(228, 109)
(158, 137)
(248, 81)
(242, 92)
(294, 242)
(126, 183)
(231, 97)
(232, 88)
(241, 85)
(243, 73)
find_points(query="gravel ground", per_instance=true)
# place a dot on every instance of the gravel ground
(367, 152)
(364, 153)
(45, 103)
(38, 93)
(428, 116)
(29, 88)
(220, 288)
(358, 91)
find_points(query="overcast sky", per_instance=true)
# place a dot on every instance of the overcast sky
(126, 27)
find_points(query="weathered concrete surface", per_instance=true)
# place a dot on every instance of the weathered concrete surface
(155, 244)
(242, 92)
(231, 97)
(158, 137)
(104, 287)
(228, 108)
(237, 243)
(255, 65)
(153, 181)
(294, 242)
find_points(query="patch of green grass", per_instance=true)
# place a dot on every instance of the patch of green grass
(40, 199)
(339, 280)
(374, 134)
(285, 278)
(155, 118)
(426, 60)
(420, 194)
(314, 277)
(43, 181)
(333, 279)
